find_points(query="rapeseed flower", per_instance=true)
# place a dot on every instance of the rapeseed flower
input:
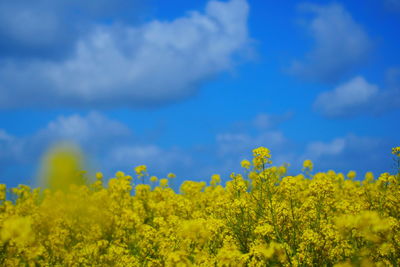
(262, 217)
(141, 170)
(171, 175)
(163, 182)
(245, 164)
(308, 165)
(351, 175)
(261, 157)
(215, 179)
(396, 151)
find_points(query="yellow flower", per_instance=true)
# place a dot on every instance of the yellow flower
(99, 175)
(62, 167)
(3, 189)
(351, 175)
(283, 169)
(308, 164)
(245, 164)
(140, 170)
(262, 157)
(215, 179)
(396, 151)
(253, 220)
(119, 174)
(369, 177)
(17, 229)
(171, 175)
(163, 182)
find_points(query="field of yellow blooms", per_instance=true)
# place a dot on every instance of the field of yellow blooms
(259, 218)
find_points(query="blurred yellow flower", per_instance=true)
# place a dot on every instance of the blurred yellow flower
(215, 179)
(245, 164)
(163, 182)
(308, 165)
(396, 151)
(61, 167)
(153, 179)
(99, 175)
(140, 170)
(351, 175)
(171, 175)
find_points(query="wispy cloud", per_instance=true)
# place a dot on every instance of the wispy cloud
(109, 145)
(350, 152)
(359, 97)
(341, 44)
(351, 98)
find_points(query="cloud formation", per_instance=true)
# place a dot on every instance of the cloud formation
(359, 97)
(109, 145)
(136, 66)
(48, 29)
(341, 44)
(268, 121)
(350, 152)
(335, 147)
(341, 153)
(350, 98)
(234, 145)
(158, 160)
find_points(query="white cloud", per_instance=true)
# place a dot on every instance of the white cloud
(6, 145)
(4, 136)
(121, 65)
(350, 152)
(318, 149)
(233, 146)
(12, 156)
(108, 144)
(268, 121)
(350, 98)
(244, 143)
(94, 132)
(25, 24)
(93, 127)
(43, 28)
(341, 153)
(157, 159)
(341, 44)
(357, 97)
(263, 121)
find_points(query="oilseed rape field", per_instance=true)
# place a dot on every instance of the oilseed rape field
(261, 217)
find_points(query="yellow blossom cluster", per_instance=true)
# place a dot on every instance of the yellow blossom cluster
(261, 157)
(141, 170)
(260, 218)
(396, 151)
(308, 165)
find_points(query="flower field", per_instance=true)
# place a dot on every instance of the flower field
(261, 217)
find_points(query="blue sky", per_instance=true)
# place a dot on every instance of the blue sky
(193, 86)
